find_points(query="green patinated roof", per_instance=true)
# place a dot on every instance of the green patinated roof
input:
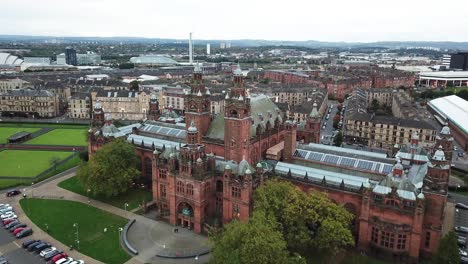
(259, 104)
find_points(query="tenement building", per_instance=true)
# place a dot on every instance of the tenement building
(123, 104)
(29, 103)
(386, 131)
(203, 173)
(79, 106)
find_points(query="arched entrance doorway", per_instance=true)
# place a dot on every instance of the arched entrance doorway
(185, 215)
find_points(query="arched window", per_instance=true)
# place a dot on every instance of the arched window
(148, 167)
(180, 187)
(189, 189)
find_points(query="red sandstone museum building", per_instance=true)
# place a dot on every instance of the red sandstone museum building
(204, 172)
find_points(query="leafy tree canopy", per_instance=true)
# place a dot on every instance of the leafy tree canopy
(448, 250)
(257, 241)
(305, 220)
(111, 170)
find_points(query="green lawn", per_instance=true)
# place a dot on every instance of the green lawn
(60, 217)
(133, 197)
(65, 137)
(7, 183)
(6, 132)
(27, 163)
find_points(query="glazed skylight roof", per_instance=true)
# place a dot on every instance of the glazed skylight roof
(360, 164)
(166, 131)
(336, 178)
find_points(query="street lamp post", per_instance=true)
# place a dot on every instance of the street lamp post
(120, 234)
(87, 192)
(125, 206)
(77, 235)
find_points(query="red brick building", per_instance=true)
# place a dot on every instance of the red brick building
(201, 173)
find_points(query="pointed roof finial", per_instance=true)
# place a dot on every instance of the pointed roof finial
(238, 70)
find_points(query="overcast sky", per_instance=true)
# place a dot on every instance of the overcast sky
(324, 20)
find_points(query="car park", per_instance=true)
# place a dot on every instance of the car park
(461, 229)
(24, 233)
(13, 192)
(17, 230)
(28, 242)
(47, 250)
(52, 254)
(33, 245)
(59, 256)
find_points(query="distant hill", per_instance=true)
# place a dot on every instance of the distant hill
(247, 42)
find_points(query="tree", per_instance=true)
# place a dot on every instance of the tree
(257, 241)
(306, 221)
(447, 252)
(54, 161)
(134, 86)
(338, 139)
(111, 170)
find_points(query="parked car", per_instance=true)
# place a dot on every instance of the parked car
(13, 192)
(47, 250)
(8, 220)
(7, 215)
(13, 227)
(32, 246)
(41, 247)
(59, 256)
(4, 205)
(461, 206)
(461, 229)
(28, 242)
(52, 254)
(64, 261)
(462, 252)
(6, 209)
(460, 154)
(14, 222)
(455, 148)
(77, 262)
(464, 259)
(17, 230)
(24, 233)
(3, 260)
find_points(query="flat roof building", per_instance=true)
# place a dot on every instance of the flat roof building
(454, 110)
(443, 78)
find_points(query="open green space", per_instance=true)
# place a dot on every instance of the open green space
(41, 125)
(62, 137)
(27, 163)
(94, 241)
(133, 197)
(9, 183)
(6, 132)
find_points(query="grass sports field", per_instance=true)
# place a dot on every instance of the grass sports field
(64, 137)
(60, 217)
(6, 132)
(27, 163)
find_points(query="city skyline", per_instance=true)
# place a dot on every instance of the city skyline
(333, 20)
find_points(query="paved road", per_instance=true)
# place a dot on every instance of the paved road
(326, 132)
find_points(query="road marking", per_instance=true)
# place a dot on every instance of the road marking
(14, 242)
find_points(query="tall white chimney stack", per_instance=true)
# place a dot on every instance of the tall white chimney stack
(190, 49)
